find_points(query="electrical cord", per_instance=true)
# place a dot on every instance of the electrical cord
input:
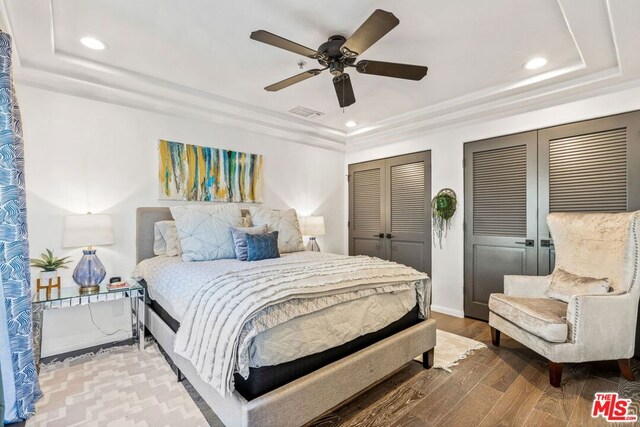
(99, 328)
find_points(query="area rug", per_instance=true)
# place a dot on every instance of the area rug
(451, 348)
(121, 387)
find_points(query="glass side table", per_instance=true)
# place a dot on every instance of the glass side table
(71, 297)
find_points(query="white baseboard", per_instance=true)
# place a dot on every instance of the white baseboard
(446, 310)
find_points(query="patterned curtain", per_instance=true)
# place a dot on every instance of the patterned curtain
(19, 377)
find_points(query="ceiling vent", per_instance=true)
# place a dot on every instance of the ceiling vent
(307, 113)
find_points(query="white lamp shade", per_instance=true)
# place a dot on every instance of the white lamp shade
(312, 226)
(87, 230)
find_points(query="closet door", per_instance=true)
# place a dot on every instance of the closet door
(500, 216)
(390, 209)
(591, 166)
(408, 210)
(367, 208)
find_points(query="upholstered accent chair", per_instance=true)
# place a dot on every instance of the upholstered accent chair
(590, 327)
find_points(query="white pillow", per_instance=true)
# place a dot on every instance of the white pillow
(285, 222)
(205, 231)
(166, 240)
(246, 221)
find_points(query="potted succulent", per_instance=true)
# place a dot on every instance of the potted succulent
(49, 265)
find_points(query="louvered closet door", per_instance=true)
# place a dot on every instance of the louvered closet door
(500, 216)
(367, 209)
(591, 166)
(408, 211)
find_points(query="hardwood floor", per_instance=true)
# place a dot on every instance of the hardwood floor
(497, 386)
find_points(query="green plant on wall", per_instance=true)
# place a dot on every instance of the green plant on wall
(443, 206)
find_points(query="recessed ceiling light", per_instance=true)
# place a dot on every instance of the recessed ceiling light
(93, 43)
(535, 63)
(351, 124)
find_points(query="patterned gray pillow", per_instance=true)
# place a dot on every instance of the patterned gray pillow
(285, 222)
(205, 231)
(166, 241)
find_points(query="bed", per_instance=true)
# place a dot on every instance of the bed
(290, 372)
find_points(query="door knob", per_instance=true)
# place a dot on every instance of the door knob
(389, 236)
(546, 243)
(528, 243)
(379, 235)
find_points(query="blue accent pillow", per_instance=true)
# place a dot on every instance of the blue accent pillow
(240, 239)
(262, 246)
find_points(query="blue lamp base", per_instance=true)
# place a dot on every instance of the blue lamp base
(89, 272)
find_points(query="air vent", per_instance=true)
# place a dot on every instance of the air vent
(306, 112)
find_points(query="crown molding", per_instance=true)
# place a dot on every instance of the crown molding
(511, 110)
(173, 104)
(468, 112)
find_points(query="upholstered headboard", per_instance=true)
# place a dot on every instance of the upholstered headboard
(145, 220)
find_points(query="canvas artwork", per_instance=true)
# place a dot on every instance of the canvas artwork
(206, 174)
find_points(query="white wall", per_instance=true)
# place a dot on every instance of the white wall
(446, 158)
(83, 155)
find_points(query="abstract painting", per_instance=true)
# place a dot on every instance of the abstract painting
(206, 174)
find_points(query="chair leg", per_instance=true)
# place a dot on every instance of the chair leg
(625, 368)
(555, 373)
(427, 359)
(495, 336)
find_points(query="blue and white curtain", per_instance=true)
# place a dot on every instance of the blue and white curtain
(17, 364)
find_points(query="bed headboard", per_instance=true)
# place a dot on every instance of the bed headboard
(145, 220)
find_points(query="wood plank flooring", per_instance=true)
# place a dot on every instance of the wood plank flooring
(506, 386)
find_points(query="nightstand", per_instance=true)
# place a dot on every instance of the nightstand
(71, 297)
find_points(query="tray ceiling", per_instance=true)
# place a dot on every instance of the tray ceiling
(197, 59)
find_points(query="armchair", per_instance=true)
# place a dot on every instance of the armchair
(590, 327)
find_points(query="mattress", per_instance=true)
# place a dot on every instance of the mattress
(172, 284)
(267, 378)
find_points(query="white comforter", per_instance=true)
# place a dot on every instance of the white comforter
(230, 309)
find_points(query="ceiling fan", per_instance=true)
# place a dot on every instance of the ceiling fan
(339, 53)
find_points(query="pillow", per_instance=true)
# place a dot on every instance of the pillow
(205, 231)
(262, 246)
(240, 239)
(564, 285)
(246, 220)
(285, 222)
(165, 239)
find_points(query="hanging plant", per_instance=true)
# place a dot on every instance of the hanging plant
(443, 206)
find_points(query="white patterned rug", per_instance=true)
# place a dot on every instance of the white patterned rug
(125, 387)
(114, 388)
(451, 348)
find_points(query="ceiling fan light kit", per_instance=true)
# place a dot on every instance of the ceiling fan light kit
(339, 53)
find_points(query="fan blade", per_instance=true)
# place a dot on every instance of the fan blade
(344, 90)
(277, 41)
(392, 69)
(292, 80)
(373, 29)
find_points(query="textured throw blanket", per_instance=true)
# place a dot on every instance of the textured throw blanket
(214, 336)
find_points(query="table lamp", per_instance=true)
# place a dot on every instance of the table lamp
(312, 226)
(88, 230)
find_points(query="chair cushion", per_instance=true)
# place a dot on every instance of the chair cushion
(543, 317)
